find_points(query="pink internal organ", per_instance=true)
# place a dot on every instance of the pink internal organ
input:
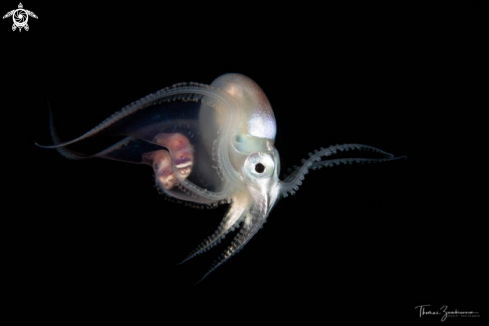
(180, 151)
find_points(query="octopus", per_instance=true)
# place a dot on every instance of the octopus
(212, 145)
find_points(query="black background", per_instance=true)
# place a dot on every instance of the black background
(356, 243)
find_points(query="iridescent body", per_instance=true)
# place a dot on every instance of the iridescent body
(211, 145)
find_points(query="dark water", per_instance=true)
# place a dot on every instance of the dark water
(356, 243)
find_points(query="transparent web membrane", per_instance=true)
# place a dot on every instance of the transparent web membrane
(149, 123)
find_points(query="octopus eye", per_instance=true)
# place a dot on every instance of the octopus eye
(260, 168)
(259, 165)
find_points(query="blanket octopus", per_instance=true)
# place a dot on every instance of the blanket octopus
(209, 145)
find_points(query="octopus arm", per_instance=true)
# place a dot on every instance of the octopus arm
(231, 221)
(253, 221)
(315, 161)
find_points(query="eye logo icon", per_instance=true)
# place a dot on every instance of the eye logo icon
(20, 17)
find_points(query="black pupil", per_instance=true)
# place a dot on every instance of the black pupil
(259, 168)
